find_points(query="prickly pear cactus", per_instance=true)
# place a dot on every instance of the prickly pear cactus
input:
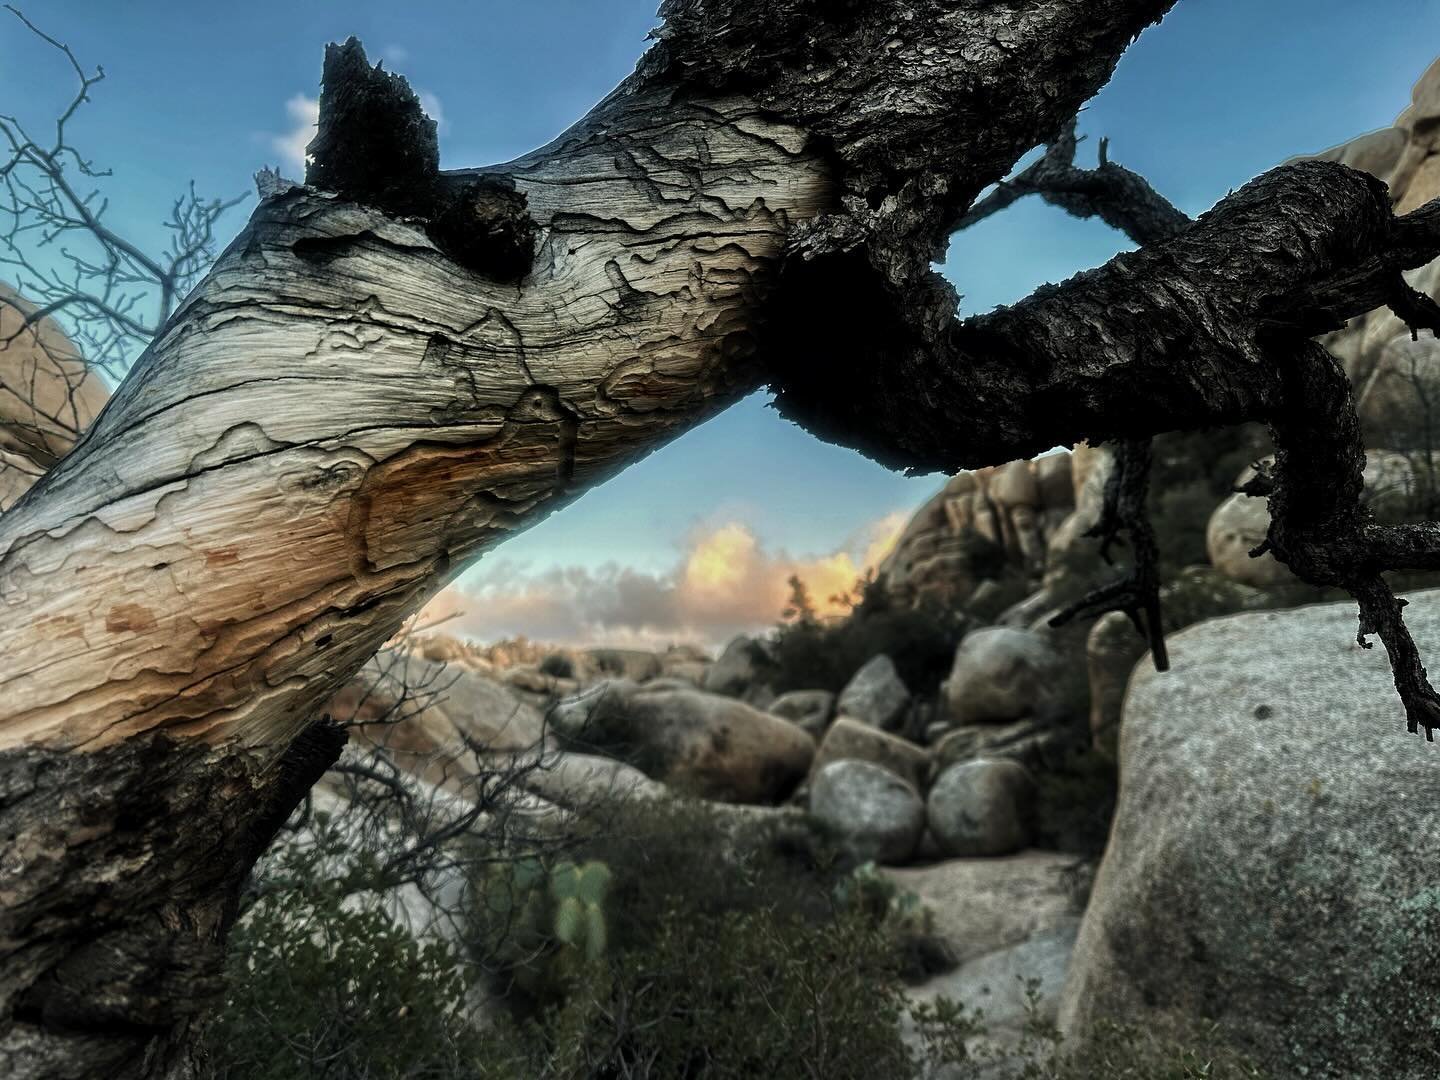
(578, 893)
(549, 924)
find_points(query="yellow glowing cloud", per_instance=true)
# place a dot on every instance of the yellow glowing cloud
(725, 582)
(721, 561)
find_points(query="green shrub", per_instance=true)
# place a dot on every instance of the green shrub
(558, 666)
(712, 982)
(318, 987)
(726, 941)
(660, 855)
(1116, 1051)
(900, 917)
(737, 996)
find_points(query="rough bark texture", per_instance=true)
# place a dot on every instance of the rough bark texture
(118, 882)
(379, 379)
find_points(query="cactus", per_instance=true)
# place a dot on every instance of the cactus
(579, 893)
(868, 890)
(550, 923)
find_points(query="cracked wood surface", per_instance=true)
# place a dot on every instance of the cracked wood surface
(339, 416)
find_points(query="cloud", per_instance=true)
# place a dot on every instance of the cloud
(724, 582)
(395, 55)
(304, 113)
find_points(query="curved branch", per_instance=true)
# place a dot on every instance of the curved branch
(1122, 199)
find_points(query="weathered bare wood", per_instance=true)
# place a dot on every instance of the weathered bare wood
(339, 416)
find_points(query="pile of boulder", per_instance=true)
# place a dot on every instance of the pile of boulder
(964, 786)
(1274, 840)
(982, 526)
(950, 801)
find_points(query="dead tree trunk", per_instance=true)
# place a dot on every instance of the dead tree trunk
(393, 368)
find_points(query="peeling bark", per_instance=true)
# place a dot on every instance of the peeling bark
(388, 373)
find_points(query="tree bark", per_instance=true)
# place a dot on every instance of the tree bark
(394, 368)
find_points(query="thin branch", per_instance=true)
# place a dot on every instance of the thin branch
(1121, 198)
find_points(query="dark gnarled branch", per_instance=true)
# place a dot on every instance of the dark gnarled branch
(1121, 198)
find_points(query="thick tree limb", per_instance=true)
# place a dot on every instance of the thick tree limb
(274, 405)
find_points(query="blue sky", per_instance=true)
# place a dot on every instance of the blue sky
(1220, 91)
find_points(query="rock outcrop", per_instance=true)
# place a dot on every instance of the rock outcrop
(1373, 347)
(1029, 742)
(978, 525)
(849, 740)
(875, 695)
(47, 396)
(740, 669)
(1007, 920)
(1272, 861)
(1393, 483)
(1112, 650)
(440, 722)
(981, 807)
(812, 710)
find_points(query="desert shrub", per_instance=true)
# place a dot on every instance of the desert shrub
(814, 654)
(1115, 1051)
(904, 923)
(1075, 798)
(713, 980)
(558, 666)
(1110, 1051)
(735, 996)
(659, 856)
(730, 948)
(318, 986)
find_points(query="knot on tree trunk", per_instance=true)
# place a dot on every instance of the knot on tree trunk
(485, 227)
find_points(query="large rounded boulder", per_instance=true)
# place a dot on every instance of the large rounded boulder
(848, 740)
(875, 813)
(1003, 674)
(48, 396)
(1272, 864)
(811, 710)
(1240, 524)
(875, 695)
(981, 807)
(701, 744)
(440, 722)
